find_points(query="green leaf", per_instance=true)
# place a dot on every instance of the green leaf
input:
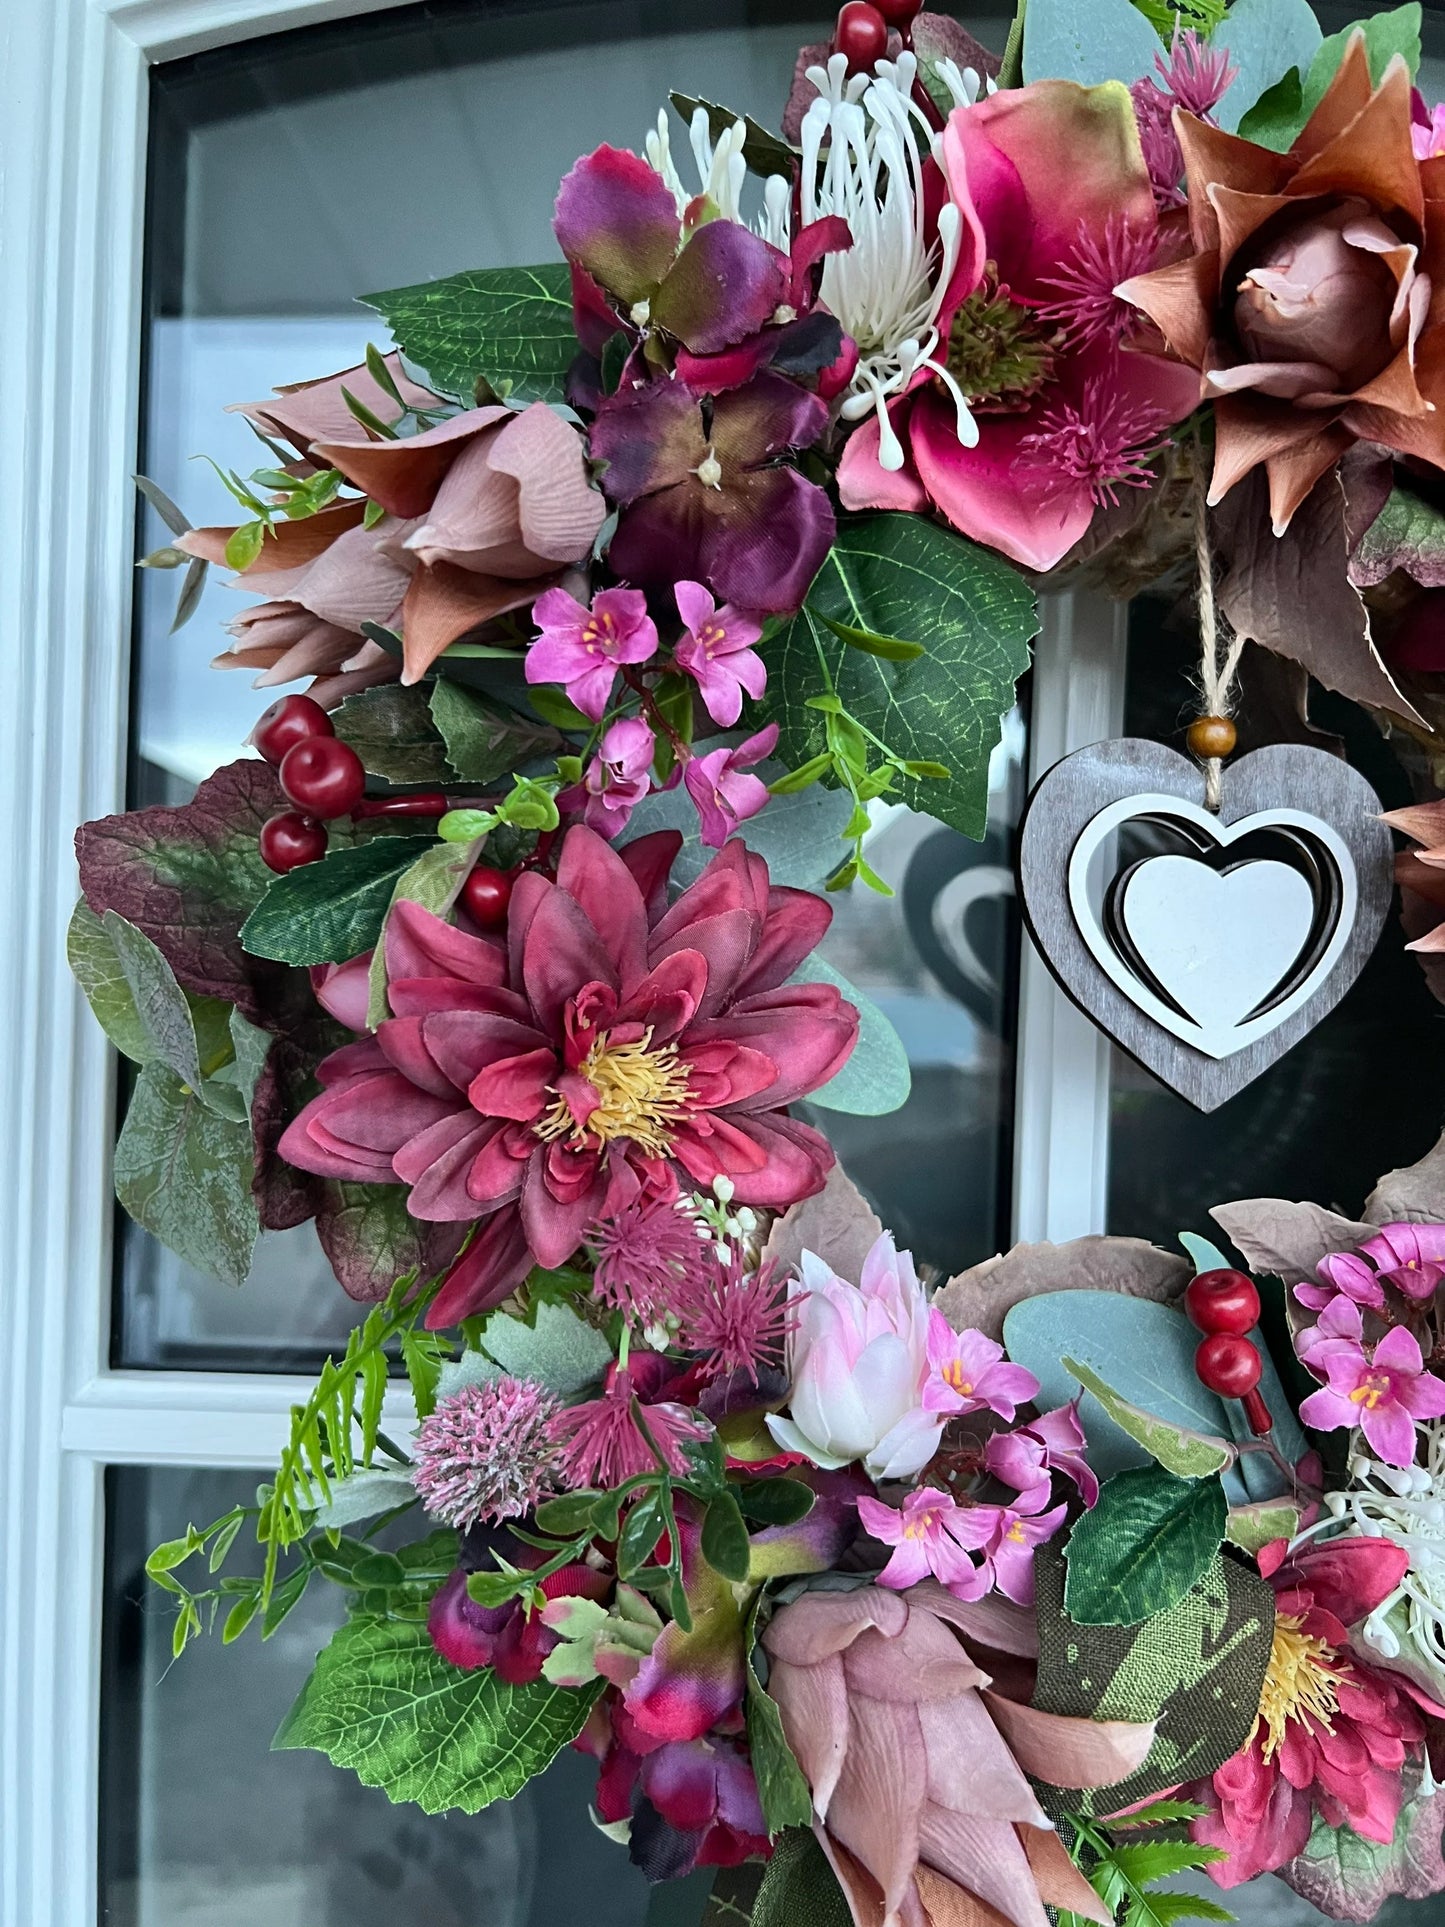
(1145, 1861)
(774, 1502)
(1265, 40)
(567, 1514)
(174, 518)
(184, 1174)
(725, 1538)
(640, 1535)
(485, 740)
(783, 1791)
(1278, 116)
(559, 1349)
(434, 881)
(876, 1078)
(383, 1702)
(97, 968)
(972, 613)
(799, 1888)
(1352, 1878)
(329, 912)
(1159, 1813)
(764, 152)
(512, 327)
(889, 647)
(1408, 534)
(244, 544)
(391, 729)
(1188, 1455)
(160, 1003)
(1150, 1538)
(252, 1046)
(1252, 1527)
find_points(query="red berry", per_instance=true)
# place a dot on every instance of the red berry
(290, 839)
(861, 34)
(899, 13)
(324, 777)
(287, 723)
(486, 894)
(1227, 1365)
(1222, 1301)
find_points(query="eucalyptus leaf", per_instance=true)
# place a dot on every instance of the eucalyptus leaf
(895, 575)
(1145, 1352)
(1203, 1255)
(876, 1079)
(798, 836)
(184, 1173)
(512, 327)
(561, 1351)
(1111, 40)
(1188, 1455)
(1141, 1549)
(1265, 40)
(331, 911)
(384, 1702)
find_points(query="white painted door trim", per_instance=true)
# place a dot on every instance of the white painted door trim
(73, 106)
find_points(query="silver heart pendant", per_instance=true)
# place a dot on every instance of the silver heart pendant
(1206, 945)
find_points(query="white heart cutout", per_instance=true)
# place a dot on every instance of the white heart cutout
(1218, 942)
(1218, 1022)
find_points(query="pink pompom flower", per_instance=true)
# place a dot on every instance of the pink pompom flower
(485, 1453)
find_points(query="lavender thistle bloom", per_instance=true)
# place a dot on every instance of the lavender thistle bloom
(486, 1453)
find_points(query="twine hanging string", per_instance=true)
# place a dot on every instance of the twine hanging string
(1219, 653)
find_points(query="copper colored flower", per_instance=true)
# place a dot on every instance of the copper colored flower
(909, 1715)
(1313, 299)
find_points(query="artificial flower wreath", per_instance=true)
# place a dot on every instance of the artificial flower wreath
(627, 584)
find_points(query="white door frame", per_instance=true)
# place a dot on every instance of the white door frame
(73, 131)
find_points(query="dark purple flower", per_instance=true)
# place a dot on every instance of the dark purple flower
(705, 495)
(511, 1639)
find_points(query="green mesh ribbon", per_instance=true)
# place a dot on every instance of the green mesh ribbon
(1198, 1669)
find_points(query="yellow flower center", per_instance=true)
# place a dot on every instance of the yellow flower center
(921, 1524)
(953, 1376)
(1016, 1532)
(642, 1094)
(1300, 1683)
(1370, 1391)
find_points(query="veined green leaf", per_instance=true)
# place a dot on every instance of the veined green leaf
(184, 1173)
(512, 327)
(1142, 1547)
(329, 912)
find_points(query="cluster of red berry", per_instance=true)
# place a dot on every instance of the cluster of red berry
(1224, 1305)
(862, 30)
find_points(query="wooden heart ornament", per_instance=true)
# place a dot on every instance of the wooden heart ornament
(1205, 944)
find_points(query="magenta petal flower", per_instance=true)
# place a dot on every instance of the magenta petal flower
(932, 1536)
(967, 1372)
(724, 796)
(1342, 1271)
(583, 648)
(717, 652)
(619, 776)
(1054, 1442)
(705, 494)
(1411, 1257)
(1014, 1532)
(1383, 1395)
(612, 1049)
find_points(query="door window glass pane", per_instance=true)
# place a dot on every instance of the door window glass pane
(287, 176)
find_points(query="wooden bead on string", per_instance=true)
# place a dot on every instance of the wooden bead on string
(1211, 736)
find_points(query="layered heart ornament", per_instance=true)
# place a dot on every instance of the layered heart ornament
(1206, 944)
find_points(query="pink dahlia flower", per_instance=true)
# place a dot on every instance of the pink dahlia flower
(608, 1049)
(1060, 413)
(1332, 1735)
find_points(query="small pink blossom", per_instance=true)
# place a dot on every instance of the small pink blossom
(967, 1373)
(583, 648)
(717, 652)
(1383, 1395)
(1339, 1324)
(619, 776)
(1014, 1531)
(1342, 1271)
(724, 796)
(1427, 135)
(1054, 1442)
(1411, 1257)
(603, 1444)
(931, 1536)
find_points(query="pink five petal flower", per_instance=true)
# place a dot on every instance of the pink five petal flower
(1014, 1531)
(1383, 1395)
(932, 1536)
(1411, 1257)
(717, 652)
(723, 795)
(1054, 1442)
(1342, 1271)
(618, 777)
(967, 1372)
(583, 648)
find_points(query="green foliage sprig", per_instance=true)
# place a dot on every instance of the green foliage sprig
(1126, 1873)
